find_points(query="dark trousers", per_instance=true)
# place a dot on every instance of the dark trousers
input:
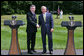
(50, 42)
(31, 40)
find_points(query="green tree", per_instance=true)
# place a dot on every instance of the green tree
(22, 7)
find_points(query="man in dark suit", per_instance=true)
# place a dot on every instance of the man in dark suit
(46, 23)
(31, 29)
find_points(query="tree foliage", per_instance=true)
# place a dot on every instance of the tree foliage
(22, 7)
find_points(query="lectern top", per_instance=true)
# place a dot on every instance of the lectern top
(18, 22)
(76, 24)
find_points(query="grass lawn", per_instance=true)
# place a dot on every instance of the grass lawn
(59, 34)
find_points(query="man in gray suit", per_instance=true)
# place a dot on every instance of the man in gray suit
(46, 23)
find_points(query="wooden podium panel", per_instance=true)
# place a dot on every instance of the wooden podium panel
(14, 25)
(70, 48)
(14, 48)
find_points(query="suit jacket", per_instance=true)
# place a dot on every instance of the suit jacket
(31, 23)
(49, 22)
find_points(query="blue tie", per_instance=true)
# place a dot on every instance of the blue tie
(34, 15)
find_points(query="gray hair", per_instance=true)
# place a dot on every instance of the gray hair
(32, 6)
(43, 6)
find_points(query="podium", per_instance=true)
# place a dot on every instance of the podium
(14, 25)
(70, 25)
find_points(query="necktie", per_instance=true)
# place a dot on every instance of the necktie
(34, 15)
(44, 17)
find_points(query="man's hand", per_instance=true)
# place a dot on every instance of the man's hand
(37, 26)
(52, 30)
